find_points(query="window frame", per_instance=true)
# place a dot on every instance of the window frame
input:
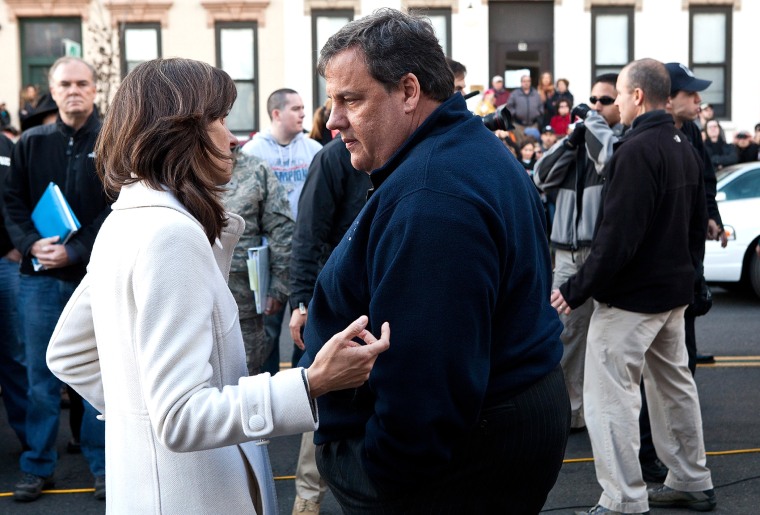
(722, 111)
(597, 11)
(254, 26)
(446, 13)
(27, 63)
(123, 27)
(316, 14)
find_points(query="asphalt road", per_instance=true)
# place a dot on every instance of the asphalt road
(729, 392)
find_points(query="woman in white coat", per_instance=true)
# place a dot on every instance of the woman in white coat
(151, 337)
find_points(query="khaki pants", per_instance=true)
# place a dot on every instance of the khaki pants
(309, 484)
(566, 264)
(623, 345)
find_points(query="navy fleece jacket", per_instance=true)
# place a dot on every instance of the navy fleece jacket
(451, 249)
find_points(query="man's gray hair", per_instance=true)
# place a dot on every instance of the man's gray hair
(394, 44)
(69, 59)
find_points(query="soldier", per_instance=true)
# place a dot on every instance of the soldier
(255, 194)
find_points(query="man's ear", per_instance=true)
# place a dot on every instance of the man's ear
(638, 96)
(410, 86)
(276, 115)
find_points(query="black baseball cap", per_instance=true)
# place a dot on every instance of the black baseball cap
(45, 106)
(548, 128)
(683, 79)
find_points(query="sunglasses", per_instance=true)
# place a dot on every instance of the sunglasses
(605, 101)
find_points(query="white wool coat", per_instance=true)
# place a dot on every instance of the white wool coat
(151, 339)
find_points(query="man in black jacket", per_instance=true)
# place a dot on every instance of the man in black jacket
(332, 196)
(61, 153)
(649, 239)
(12, 370)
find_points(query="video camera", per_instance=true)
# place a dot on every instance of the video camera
(499, 120)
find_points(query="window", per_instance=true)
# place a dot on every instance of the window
(323, 25)
(236, 52)
(42, 43)
(139, 42)
(441, 21)
(744, 187)
(611, 39)
(710, 54)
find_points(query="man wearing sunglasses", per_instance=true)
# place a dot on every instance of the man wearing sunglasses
(584, 151)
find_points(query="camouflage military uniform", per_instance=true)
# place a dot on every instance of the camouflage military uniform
(257, 196)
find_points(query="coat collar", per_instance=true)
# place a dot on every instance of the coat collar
(137, 195)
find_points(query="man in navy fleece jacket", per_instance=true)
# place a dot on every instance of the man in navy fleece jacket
(468, 410)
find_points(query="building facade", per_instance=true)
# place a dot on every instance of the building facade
(269, 44)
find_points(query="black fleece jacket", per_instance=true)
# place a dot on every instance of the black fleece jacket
(56, 153)
(650, 234)
(332, 196)
(6, 150)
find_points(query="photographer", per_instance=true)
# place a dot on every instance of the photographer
(746, 149)
(585, 151)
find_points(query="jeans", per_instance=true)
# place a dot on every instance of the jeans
(507, 464)
(12, 369)
(41, 300)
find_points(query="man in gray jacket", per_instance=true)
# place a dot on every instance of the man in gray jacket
(574, 169)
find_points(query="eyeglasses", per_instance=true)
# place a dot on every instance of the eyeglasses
(605, 101)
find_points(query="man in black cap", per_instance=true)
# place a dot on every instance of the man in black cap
(45, 113)
(685, 106)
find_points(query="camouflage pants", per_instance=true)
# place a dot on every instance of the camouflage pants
(257, 348)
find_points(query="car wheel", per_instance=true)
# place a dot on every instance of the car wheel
(754, 272)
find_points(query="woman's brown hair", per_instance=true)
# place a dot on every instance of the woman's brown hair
(319, 123)
(156, 131)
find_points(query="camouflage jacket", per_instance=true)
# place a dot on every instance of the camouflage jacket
(257, 196)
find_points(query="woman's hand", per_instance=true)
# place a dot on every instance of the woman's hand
(343, 363)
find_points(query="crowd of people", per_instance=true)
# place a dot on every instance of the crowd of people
(148, 310)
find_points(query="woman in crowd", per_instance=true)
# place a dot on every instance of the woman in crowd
(545, 90)
(721, 153)
(561, 121)
(151, 336)
(28, 100)
(319, 131)
(561, 93)
(528, 155)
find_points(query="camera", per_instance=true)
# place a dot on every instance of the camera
(501, 119)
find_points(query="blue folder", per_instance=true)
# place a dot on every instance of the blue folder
(52, 216)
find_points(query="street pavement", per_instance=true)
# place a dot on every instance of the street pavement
(729, 393)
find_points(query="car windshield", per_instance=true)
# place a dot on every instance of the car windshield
(739, 184)
(725, 172)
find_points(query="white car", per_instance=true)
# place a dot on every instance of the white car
(738, 197)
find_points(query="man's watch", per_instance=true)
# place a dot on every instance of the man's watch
(302, 308)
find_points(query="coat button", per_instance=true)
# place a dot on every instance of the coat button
(256, 422)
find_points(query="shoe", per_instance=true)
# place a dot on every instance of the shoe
(30, 487)
(306, 507)
(73, 446)
(599, 510)
(100, 488)
(705, 359)
(654, 471)
(664, 496)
